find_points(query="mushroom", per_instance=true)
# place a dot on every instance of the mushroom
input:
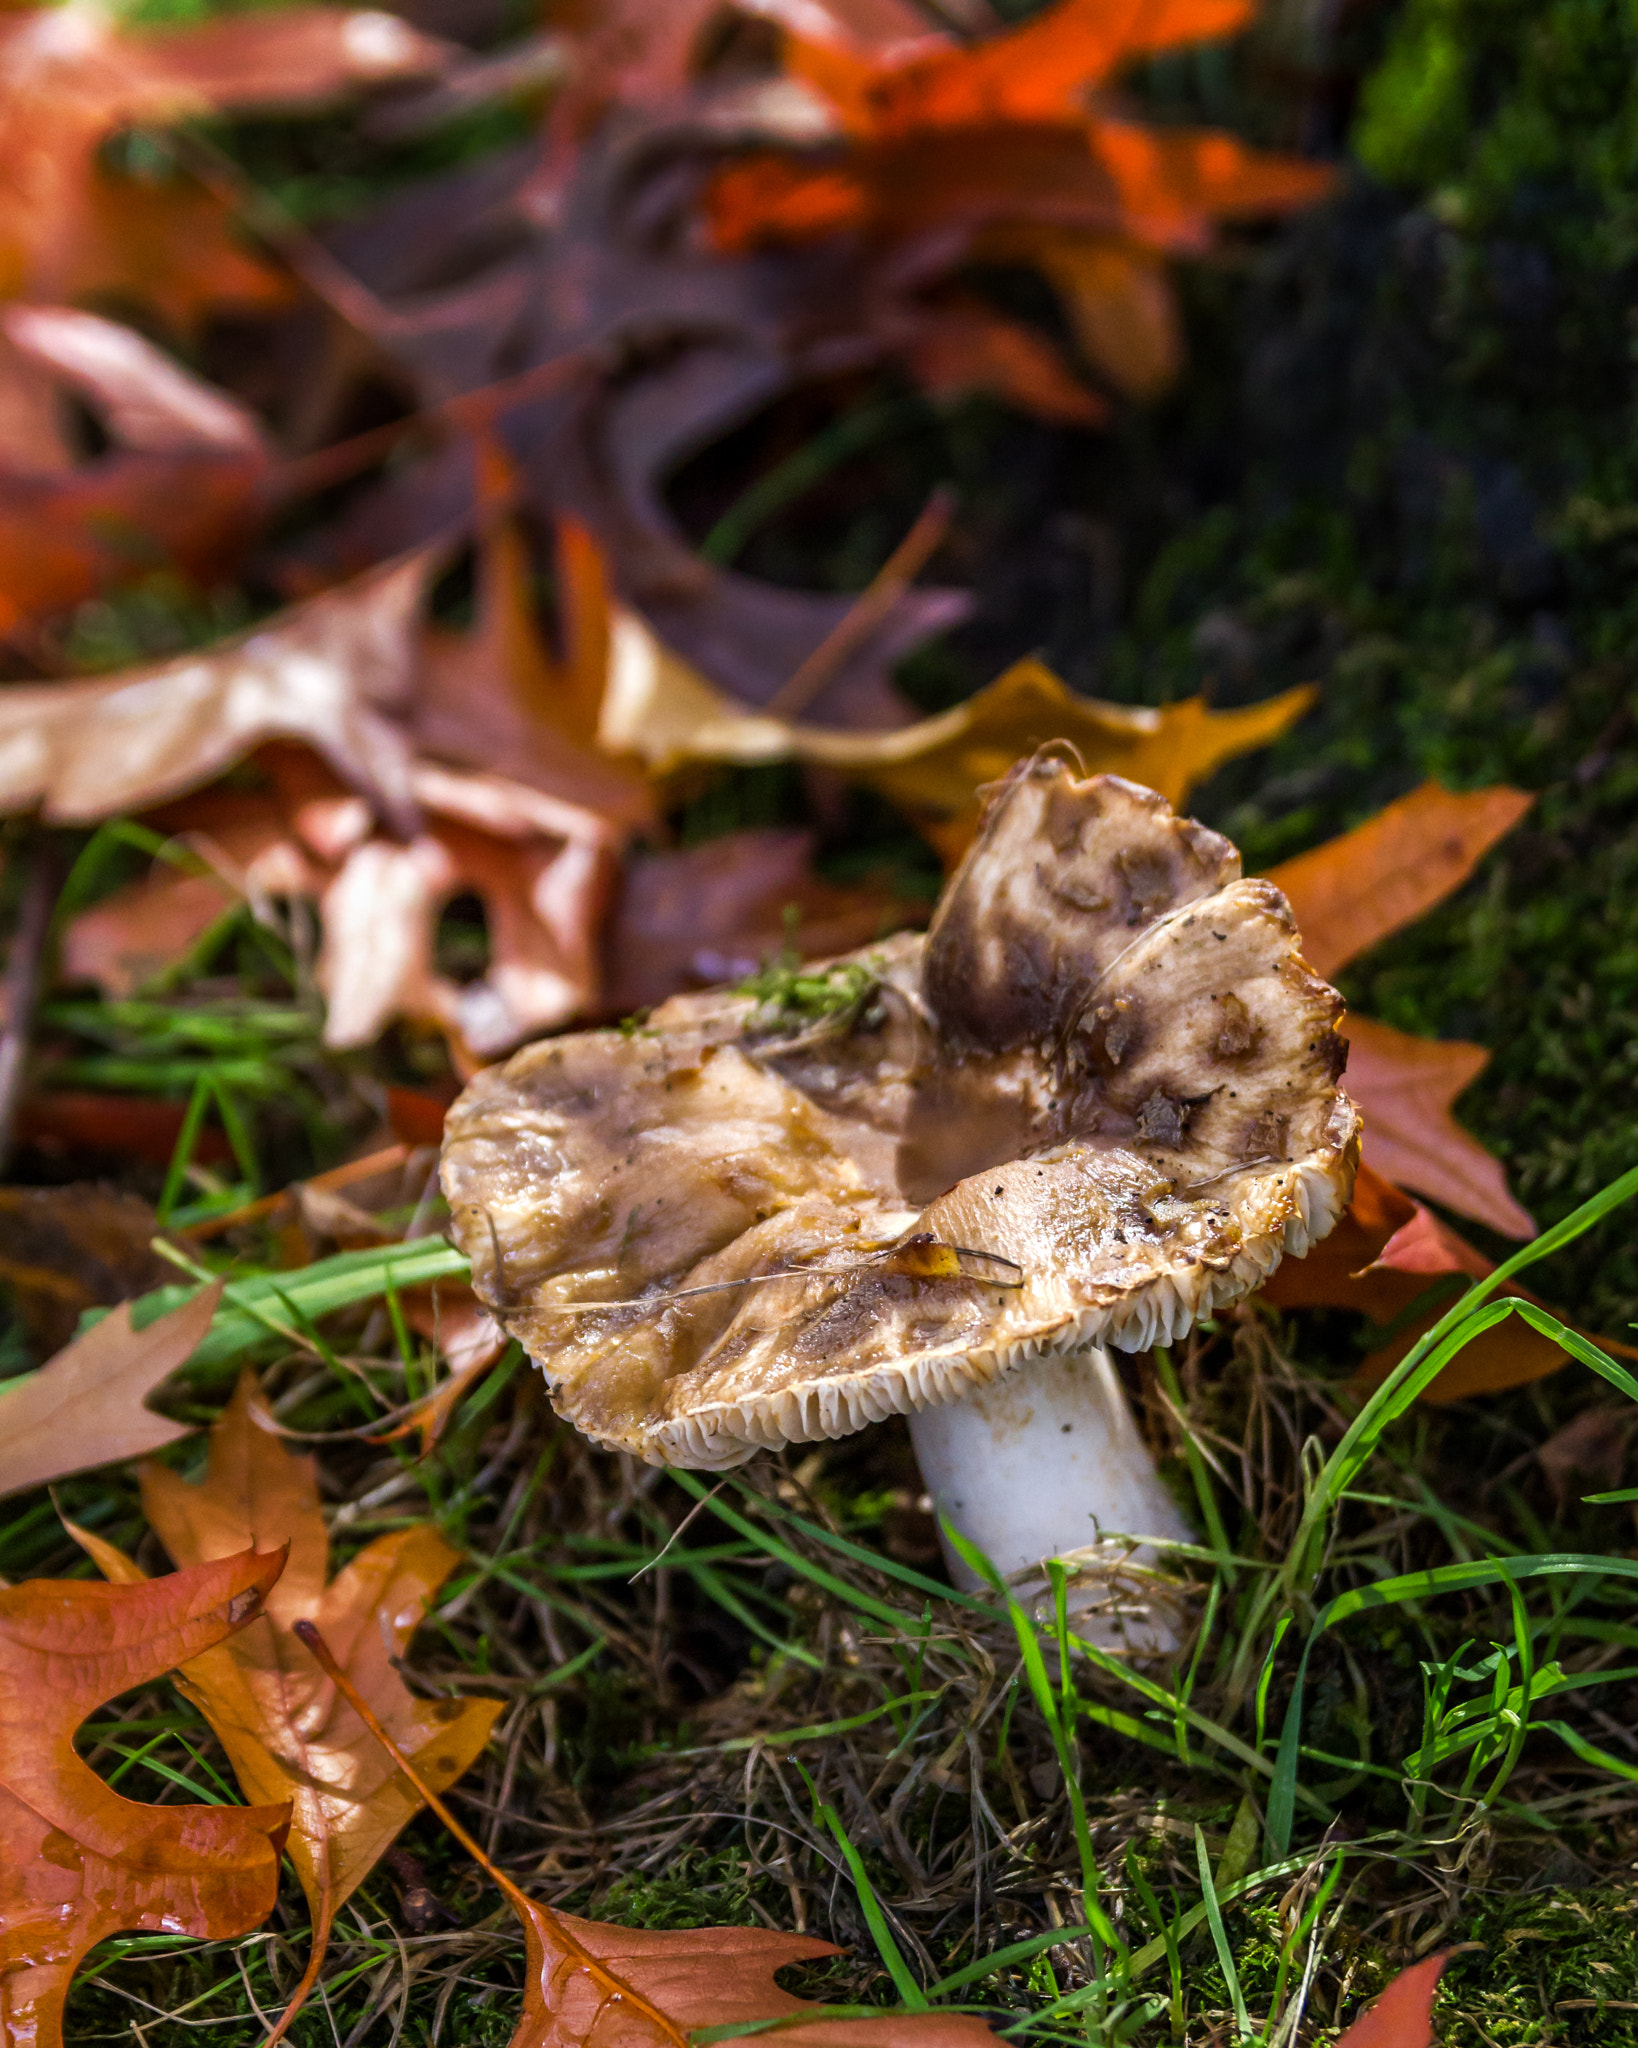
(1095, 1102)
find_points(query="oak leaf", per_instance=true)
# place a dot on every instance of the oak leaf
(660, 709)
(1358, 888)
(589, 1985)
(78, 1862)
(543, 868)
(1000, 148)
(88, 1405)
(287, 1733)
(1351, 892)
(182, 481)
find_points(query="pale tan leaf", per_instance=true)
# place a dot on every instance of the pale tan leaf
(88, 1405)
(322, 672)
(148, 401)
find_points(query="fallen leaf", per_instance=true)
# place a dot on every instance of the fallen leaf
(326, 672)
(999, 147)
(1117, 296)
(1381, 1260)
(71, 1121)
(543, 871)
(543, 868)
(88, 1405)
(960, 345)
(79, 1863)
(287, 1734)
(705, 342)
(69, 1248)
(1040, 70)
(1402, 2015)
(183, 481)
(146, 399)
(70, 79)
(497, 699)
(660, 709)
(1405, 1086)
(1386, 873)
(596, 1986)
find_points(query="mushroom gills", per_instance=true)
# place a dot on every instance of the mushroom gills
(1047, 1462)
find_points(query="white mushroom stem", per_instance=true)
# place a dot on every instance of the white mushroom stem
(1045, 1462)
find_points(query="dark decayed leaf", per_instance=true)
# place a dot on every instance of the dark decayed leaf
(69, 1248)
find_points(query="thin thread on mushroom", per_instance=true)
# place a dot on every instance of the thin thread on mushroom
(922, 1257)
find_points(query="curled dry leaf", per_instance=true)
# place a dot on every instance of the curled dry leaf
(660, 709)
(77, 1861)
(182, 482)
(287, 1733)
(88, 1405)
(70, 78)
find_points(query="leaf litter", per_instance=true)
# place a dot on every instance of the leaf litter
(767, 1695)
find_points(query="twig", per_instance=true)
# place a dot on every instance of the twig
(875, 601)
(24, 969)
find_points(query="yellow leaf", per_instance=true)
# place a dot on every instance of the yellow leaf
(662, 710)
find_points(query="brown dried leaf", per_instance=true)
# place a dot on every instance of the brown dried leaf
(285, 1730)
(1405, 1086)
(78, 1862)
(1381, 1259)
(69, 1248)
(587, 1985)
(146, 399)
(88, 1405)
(1382, 876)
(716, 912)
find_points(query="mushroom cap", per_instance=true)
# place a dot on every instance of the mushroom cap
(1095, 1102)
